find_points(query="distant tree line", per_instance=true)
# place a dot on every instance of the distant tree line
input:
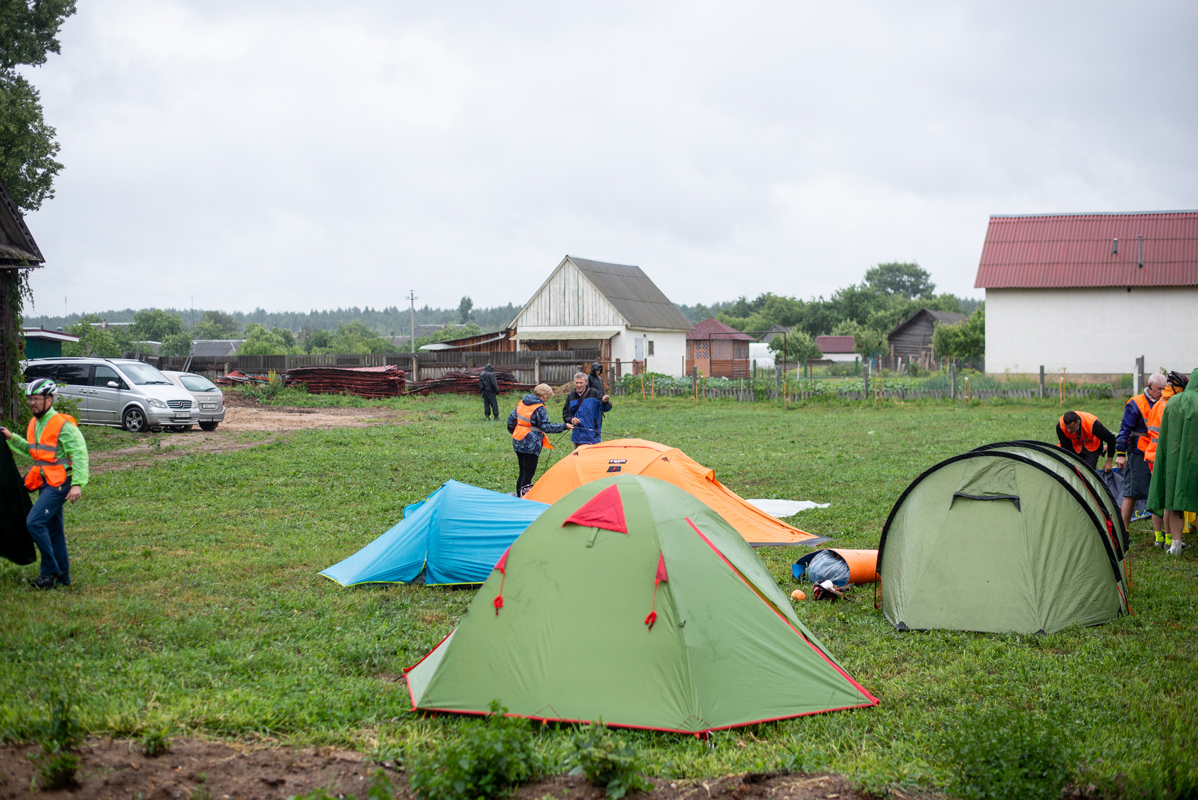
(390, 321)
(867, 311)
(888, 294)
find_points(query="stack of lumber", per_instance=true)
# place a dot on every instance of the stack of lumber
(360, 381)
(239, 378)
(466, 382)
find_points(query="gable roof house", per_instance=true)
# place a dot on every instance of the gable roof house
(838, 348)
(615, 308)
(1090, 293)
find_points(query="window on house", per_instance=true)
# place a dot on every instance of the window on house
(701, 350)
(650, 347)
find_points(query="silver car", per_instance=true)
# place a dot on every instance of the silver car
(117, 391)
(210, 401)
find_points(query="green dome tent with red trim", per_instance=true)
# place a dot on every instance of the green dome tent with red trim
(631, 601)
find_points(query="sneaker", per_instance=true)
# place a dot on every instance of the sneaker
(1177, 547)
(45, 581)
(1159, 543)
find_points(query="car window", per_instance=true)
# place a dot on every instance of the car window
(144, 375)
(104, 375)
(197, 383)
(41, 371)
(74, 374)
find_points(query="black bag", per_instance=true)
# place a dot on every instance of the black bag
(15, 543)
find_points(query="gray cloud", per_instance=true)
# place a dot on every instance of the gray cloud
(297, 155)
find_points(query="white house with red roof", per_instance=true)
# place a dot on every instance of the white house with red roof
(838, 348)
(1091, 293)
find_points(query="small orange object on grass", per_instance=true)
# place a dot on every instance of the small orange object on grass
(797, 594)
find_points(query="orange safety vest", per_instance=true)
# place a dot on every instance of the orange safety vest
(48, 468)
(524, 424)
(1085, 437)
(1154, 428)
(1141, 401)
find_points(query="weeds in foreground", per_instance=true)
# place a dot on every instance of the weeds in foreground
(156, 740)
(608, 761)
(1008, 754)
(57, 763)
(492, 756)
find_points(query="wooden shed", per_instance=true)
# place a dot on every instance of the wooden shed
(18, 251)
(911, 339)
(718, 350)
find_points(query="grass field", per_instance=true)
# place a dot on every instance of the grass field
(197, 602)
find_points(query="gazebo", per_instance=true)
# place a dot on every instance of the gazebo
(717, 350)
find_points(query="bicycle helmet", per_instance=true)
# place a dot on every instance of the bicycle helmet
(41, 386)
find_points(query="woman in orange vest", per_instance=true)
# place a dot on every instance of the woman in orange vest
(1085, 435)
(529, 424)
(59, 474)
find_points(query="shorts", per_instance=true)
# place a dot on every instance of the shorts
(1138, 475)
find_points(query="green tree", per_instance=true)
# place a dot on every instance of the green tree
(795, 346)
(464, 310)
(905, 279)
(176, 344)
(261, 342)
(216, 325)
(28, 33)
(93, 341)
(154, 325)
(318, 340)
(286, 335)
(965, 341)
(445, 334)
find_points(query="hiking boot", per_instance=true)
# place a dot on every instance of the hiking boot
(46, 581)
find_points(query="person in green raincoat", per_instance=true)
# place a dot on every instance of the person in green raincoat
(1174, 487)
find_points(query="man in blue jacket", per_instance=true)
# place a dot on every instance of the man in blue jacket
(585, 408)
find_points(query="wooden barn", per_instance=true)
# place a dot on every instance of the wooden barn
(718, 350)
(911, 339)
(614, 308)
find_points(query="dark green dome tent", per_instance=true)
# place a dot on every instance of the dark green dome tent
(1016, 537)
(631, 601)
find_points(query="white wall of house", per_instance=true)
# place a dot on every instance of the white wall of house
(669, 350)
(1091, 331)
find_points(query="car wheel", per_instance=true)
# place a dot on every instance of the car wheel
(208, 426)
(134, 420)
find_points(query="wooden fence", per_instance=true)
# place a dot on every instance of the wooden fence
(771, 393)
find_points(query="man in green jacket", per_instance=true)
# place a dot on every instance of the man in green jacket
(59, 474)
(1174, 486)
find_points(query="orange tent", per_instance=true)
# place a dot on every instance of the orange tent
(653, 460)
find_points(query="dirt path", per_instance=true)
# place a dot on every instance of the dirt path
(195, 768)
(241, 418)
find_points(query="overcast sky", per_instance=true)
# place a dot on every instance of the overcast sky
(299, 155)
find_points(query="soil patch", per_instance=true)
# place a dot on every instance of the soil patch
(193, 768)
(241, 417)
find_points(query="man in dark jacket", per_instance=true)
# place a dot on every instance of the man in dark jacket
(489, 386)
(595, 379)
(585, 408)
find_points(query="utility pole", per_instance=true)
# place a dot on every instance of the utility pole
(415, 368)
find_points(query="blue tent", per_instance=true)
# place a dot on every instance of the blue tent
(455, 536)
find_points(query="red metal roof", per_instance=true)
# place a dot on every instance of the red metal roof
(712, 328)
(1078, 250)
(836, 344)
